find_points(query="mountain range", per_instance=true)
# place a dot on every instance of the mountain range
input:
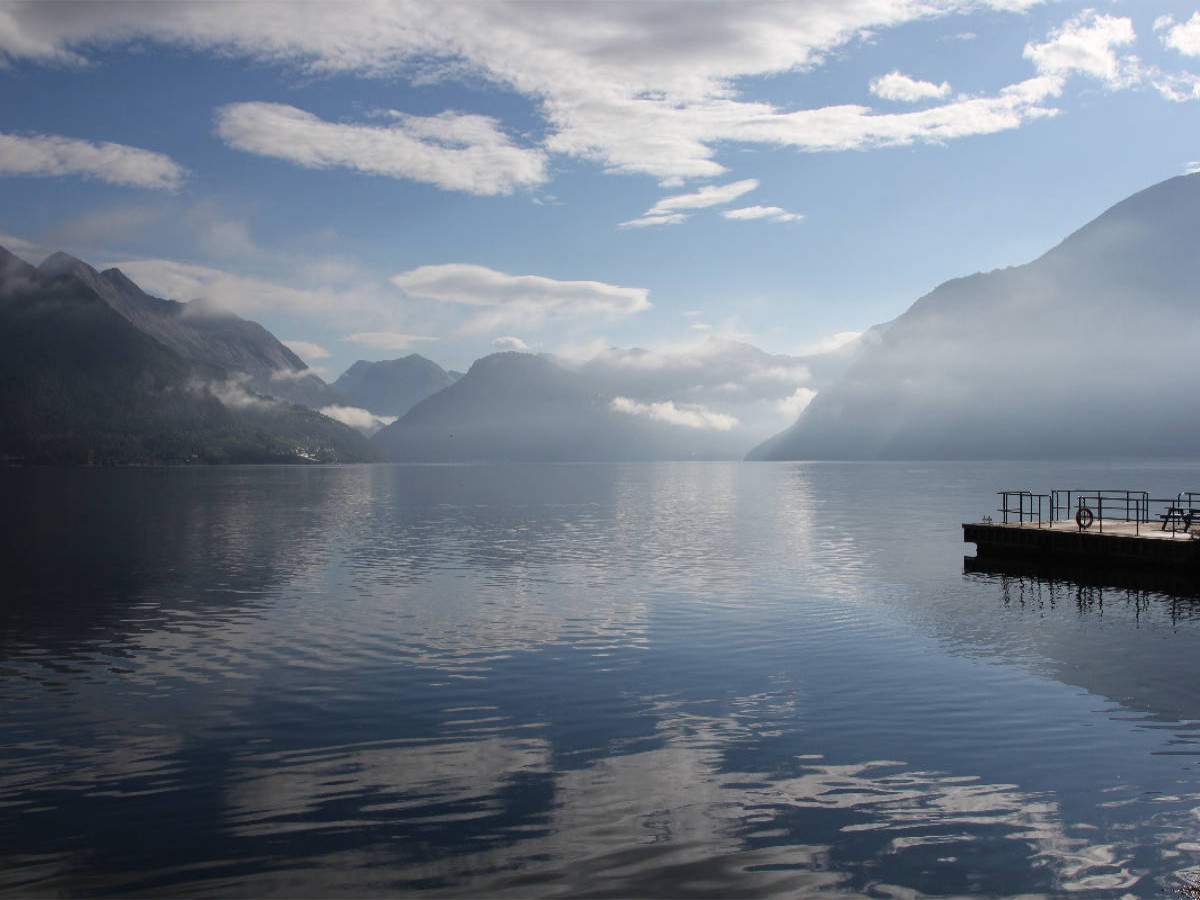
(92, 370)
(1088, 351)
(705, 401)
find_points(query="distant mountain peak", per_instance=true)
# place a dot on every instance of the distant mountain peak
(59, 263)
(12, 266)
(391, 387)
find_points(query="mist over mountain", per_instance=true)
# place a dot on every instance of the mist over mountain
(1087, 351)
(518, 406)
(710, 401)
(201, 332)
(394, 386)
(80, 383)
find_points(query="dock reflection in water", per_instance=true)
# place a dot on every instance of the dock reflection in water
(681, 680)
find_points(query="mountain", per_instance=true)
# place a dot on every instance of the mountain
(199, 332)
(518, 406)
(708, 400)
(79, 383)
(1087, 351)
(394, 386)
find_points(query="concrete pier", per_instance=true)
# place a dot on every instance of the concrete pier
(1109, 543)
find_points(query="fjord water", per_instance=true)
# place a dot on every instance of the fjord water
(683, 679)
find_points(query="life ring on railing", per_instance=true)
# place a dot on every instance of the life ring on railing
(1084, 518)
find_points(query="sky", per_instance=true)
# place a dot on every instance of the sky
(369, 180)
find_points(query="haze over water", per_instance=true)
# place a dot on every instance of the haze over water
(579, 680)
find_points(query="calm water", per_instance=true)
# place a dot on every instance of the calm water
(679, 680)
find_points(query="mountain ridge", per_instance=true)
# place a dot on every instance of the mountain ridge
(1072, 354)
(80, 383)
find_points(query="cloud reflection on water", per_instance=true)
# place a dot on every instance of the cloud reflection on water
(668, 820)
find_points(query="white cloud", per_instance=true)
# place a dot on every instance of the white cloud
(897, 86)
(831, 344)
(646, 221)
(624, 85)
(356, 417)
(1085, 44)
(307, 350)
(1184, 37)
(508, 342)
(1178, 87)
(689, 416)
(667, 210)
(710, 195)
(771, 213)
(49, 155)
(522, 300)
(1192, 168)
(797, 402)
(232, 393)
(455, 151)
(298, 374)
(388, 340)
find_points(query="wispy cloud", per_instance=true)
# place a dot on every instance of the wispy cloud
(770, 213)
(454, 151)
(517, 299)
(307, 350)
(669, 210)
(243, 294)
(30, 251)
(649, 221)
(50, 155)
(356, 417)
(710, 195)
(388, 340)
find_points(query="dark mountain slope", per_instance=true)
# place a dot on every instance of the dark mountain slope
(1083, 352)
(80, 384)
(199, 332)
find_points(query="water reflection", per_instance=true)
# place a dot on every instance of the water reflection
(652, 680)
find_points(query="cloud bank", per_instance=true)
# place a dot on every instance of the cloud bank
(635, 88)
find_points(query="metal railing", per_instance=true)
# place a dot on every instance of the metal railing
(1095, 506)
(1084, 506)
(1024, 505)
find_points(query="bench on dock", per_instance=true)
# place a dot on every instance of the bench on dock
(1180, 518)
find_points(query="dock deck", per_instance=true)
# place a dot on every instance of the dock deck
(1062, 528)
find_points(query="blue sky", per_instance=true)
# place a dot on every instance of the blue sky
(369, 180)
